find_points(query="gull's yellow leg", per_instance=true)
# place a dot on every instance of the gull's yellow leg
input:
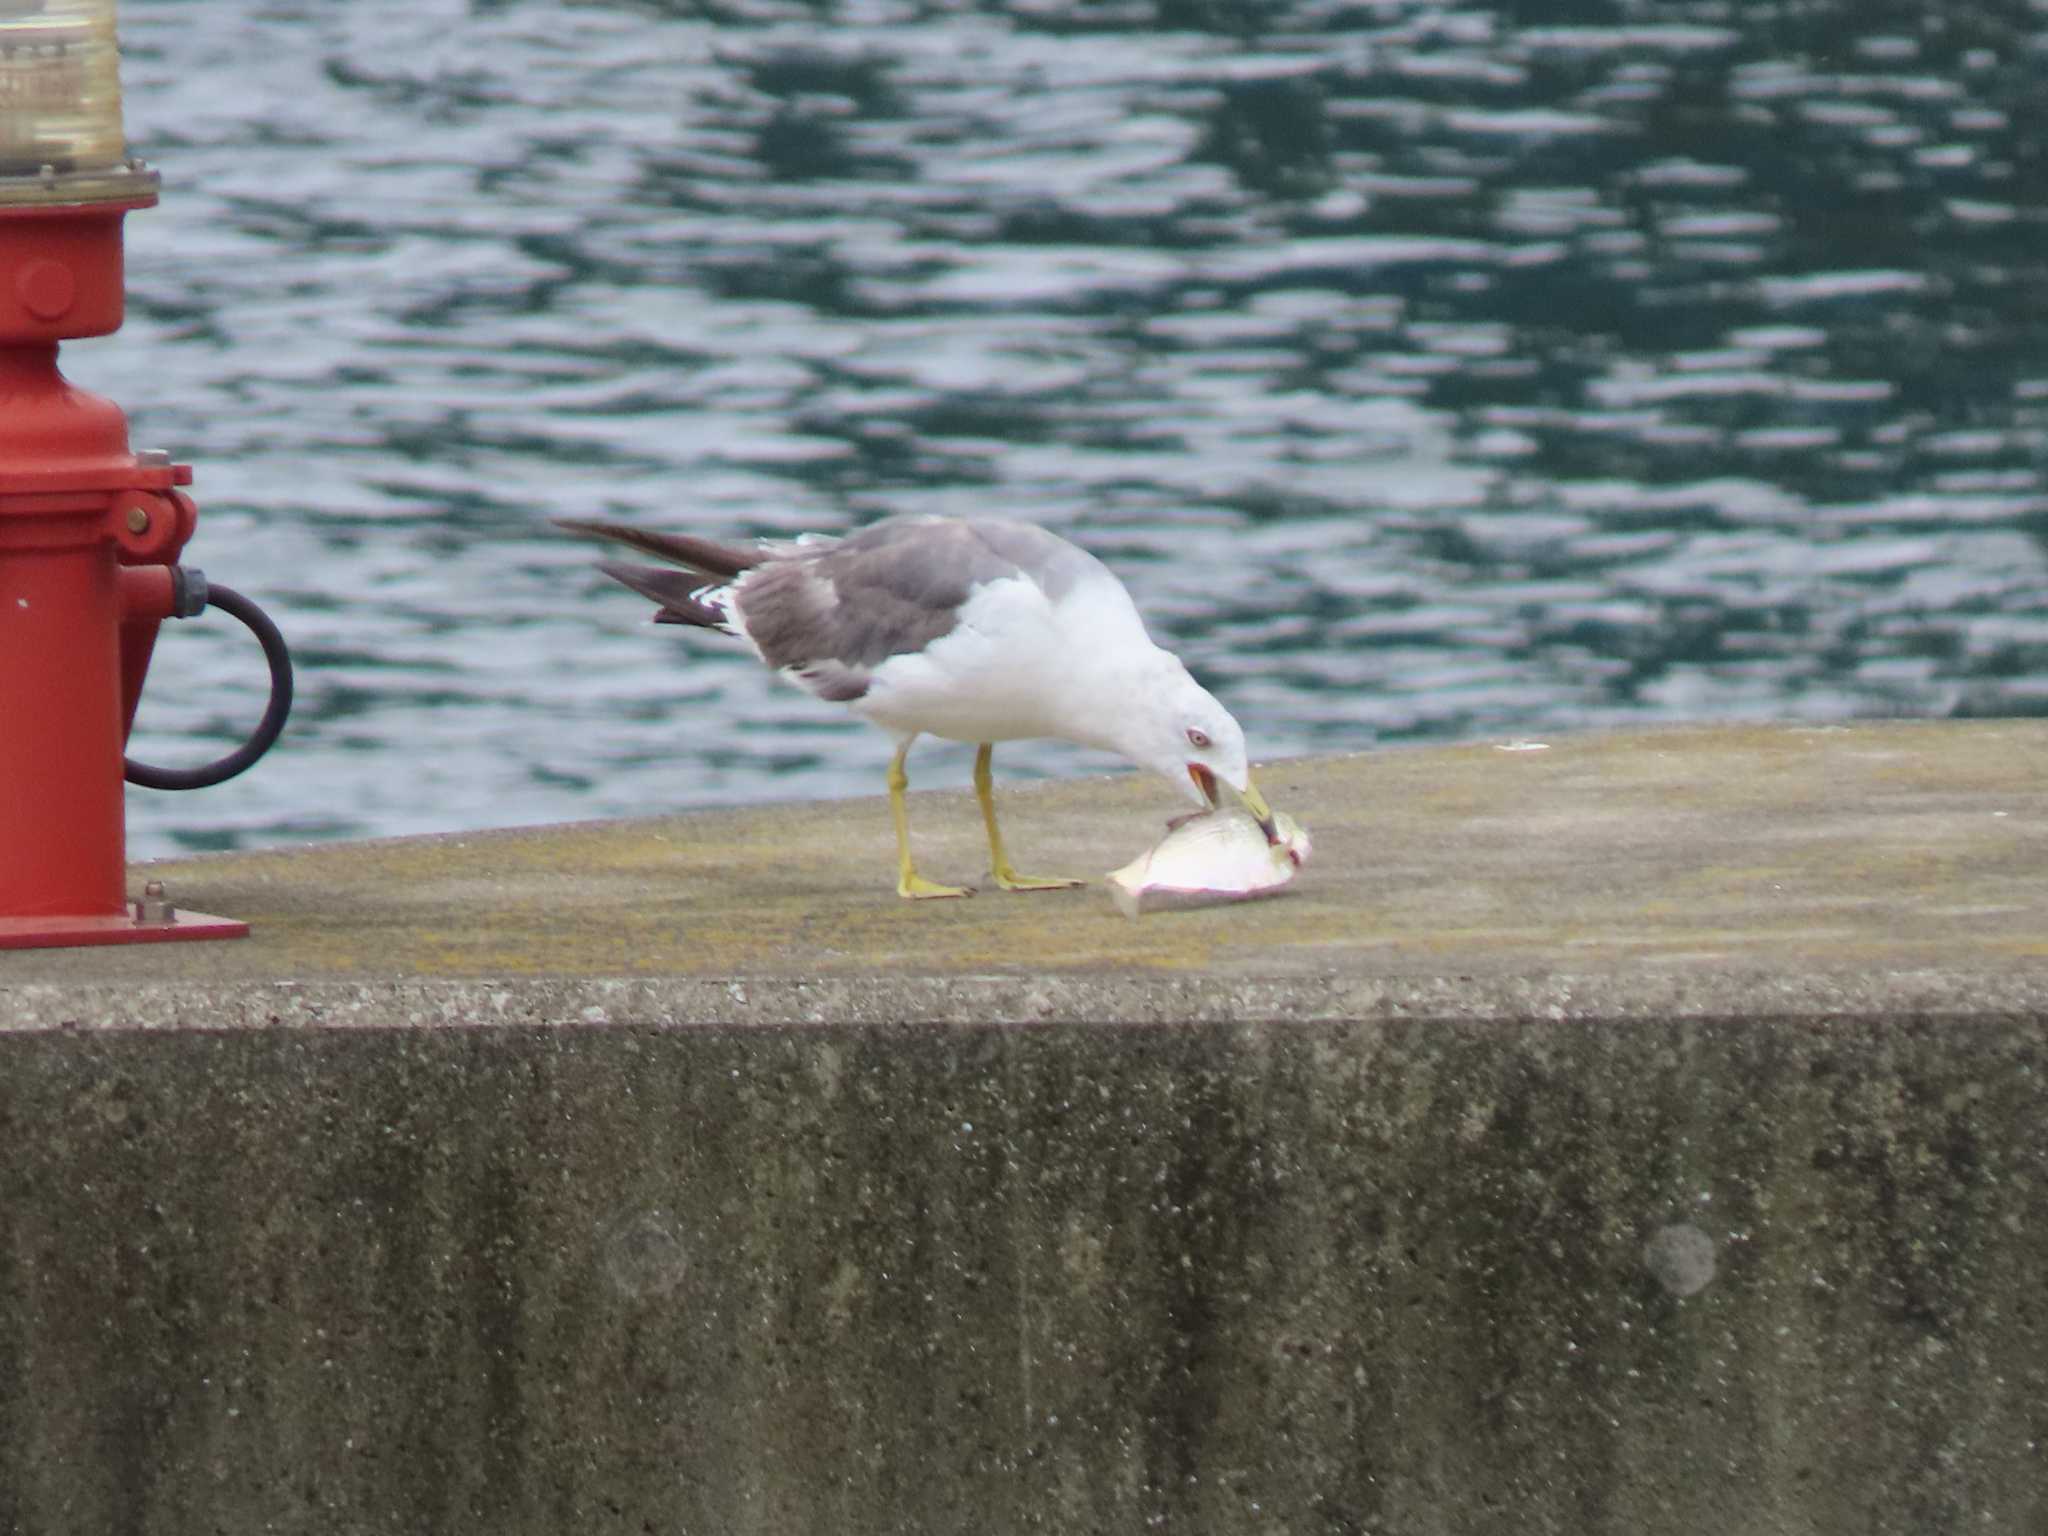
(1006, 877)
(909, 883)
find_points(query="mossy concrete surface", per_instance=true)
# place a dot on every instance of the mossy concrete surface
(1640, 1134)
(1693, 853)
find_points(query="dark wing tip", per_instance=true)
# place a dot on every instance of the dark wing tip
(684, 549)
(673, 592)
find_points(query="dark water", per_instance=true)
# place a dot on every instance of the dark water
(1428, 374)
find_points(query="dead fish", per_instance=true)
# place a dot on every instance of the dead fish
(1210, 857)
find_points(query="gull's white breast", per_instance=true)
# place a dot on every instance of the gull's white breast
(1016, 664)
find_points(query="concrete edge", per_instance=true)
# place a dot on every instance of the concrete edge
(775, 1001)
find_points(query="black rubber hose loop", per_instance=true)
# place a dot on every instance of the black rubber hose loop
(228, 600)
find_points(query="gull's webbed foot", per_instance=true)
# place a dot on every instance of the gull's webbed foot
(912, 886)
(1010, 880)
(999, 861)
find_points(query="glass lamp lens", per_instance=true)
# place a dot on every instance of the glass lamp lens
(60, 87)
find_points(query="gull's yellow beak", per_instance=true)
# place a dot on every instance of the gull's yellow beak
(1261, 812)
(1212, 791)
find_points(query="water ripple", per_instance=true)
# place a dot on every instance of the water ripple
(1426, 375)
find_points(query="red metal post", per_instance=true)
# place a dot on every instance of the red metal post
(76, 506)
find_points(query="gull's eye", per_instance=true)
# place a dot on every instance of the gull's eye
(1198, 738)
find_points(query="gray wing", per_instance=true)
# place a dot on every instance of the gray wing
(891, 589)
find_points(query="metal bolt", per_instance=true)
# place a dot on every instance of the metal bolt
(138, 519)
(154, 458)
(154, 909)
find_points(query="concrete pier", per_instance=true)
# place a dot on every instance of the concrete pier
(1612, 1134)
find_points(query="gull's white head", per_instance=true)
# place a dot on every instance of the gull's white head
(1176, 727)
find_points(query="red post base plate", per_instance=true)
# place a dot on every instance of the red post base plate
(59, 932)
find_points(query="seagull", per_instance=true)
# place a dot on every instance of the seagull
(970, 629)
